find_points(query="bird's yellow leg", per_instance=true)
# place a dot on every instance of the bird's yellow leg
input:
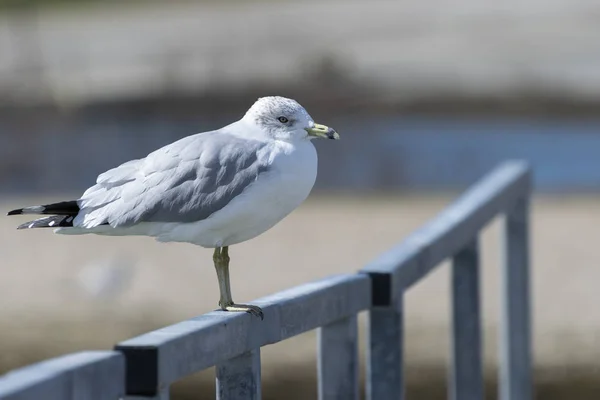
(221, 260)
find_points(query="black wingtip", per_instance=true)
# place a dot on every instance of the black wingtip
(15, 212)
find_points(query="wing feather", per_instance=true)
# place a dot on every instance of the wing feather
(186, 181)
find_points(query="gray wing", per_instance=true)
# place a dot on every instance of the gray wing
(185, 181)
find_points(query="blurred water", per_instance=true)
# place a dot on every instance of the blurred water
(442, 153)
(54, 154)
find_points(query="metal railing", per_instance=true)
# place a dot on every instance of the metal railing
(144, 367)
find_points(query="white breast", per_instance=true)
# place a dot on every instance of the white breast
(273, 196)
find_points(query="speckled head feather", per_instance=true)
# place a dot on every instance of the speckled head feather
(266, 112)
(266, 107)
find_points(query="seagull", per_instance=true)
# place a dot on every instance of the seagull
(213, 189)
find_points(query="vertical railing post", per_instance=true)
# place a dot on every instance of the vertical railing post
(466, 372)
(239, 377)
(161, 395)
(385, 379)
(338, 360)
(515, 338)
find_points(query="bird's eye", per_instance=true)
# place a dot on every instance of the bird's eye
(283, 120)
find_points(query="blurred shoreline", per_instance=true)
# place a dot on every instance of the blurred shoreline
(355, 100)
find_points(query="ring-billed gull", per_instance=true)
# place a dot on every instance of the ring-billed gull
(213, 189)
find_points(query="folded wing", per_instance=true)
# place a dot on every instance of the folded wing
(186, 181)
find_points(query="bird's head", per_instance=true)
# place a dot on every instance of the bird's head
(286, 119)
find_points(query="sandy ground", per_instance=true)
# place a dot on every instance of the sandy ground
(56, 295)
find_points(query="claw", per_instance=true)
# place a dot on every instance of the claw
(254, 310)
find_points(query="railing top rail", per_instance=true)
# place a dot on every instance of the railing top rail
(90, 375)
(407, 263)
(148, 364)
(158, 358)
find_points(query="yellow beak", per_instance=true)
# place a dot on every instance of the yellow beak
(322, 131)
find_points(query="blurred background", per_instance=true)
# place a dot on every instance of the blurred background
(428, 95)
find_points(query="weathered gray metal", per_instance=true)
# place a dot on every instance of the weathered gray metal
(338, 360)
(232, 341)
(449, 232)
(515, 337)
(385, 352)
(163, 394)
(156, 359)
(466, 374)
(239, 377)
(90, 375)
